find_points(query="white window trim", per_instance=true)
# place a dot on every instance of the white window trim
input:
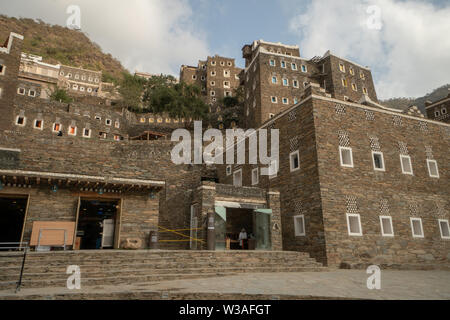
(274, 63)
(412, 228)
(276, 80)
(3, 70)
(281, 64)
(87, 136)
(285, 80)
(42, 124)
(255, 181)
(382, 229)
(32, 95)
(24, 121)
(75, 132)
(60, 127)
(110, 122)
(228, 170)
(24, 91)
(382, 161)
(292, 66)
(306, 68)
(351, 157)
(295, 83)
(291, 162)
(283, 99)
(276, 100)
(297, 232)
(410, 162)
(348, 224)
(239, 171)
(440, 228)
(429, 171)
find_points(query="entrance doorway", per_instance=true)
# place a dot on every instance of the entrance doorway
(96, 224)
(12, 215)
(230, 222)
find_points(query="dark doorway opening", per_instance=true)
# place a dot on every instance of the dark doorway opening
(97, 224)
(12, 215)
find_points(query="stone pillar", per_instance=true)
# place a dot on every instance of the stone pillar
(273, 202)
(207, 192)
(211, 244)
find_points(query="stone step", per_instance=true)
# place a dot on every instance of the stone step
(150, 271)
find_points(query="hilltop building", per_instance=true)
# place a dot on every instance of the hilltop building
(439, 110)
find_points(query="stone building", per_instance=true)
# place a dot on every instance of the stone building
(218, 77)
(439, 110)
(276, 76)
(359, 184)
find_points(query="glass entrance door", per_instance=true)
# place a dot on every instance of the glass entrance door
(262, 230)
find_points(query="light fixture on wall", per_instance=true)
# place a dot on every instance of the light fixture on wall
(54, 188)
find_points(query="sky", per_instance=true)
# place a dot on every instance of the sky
(405, 43)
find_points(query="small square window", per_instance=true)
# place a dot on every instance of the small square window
(378, 161)
(213, 73)
(405, 162)
(283, 64)
(285, 101)
(108, 122)
(32, 93)
(213, 93)
(194, 77)
(255, 176)
(38, 124)
(433, 170)
(237, 178)
(304, 68)
(294, 161)
(57, 127)
(228, 170)
(273, 99)
(86, 133)
(299, 225)
(354, 224)
(294, 66)
(21, 91)
(226, 73)
(213, 83)
(274, 80)
(226, 84)
(416, 227)
(142, 120)
(365, 91)
(20, 121)
(272, 63)
(444, 228)
(387, 229)
(72, 131)
(346, 156)
(285, 82)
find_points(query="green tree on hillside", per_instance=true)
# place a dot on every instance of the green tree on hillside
(60, 95)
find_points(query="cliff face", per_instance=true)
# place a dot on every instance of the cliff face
(58, 44)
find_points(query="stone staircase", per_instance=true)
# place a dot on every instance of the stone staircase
(123, 267)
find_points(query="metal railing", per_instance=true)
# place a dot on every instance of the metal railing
(16, 246)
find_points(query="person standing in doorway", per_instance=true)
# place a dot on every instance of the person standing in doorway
(242, 238)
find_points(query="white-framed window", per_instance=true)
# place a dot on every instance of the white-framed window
(108, 122)
(273, 99)
(213, 83)
(365, 90)
(38, 124)
(21, 121)
(226, 73)
(295, 83)
(271, 115)
(117, 124)
(90, 79)
(21, 91)
(444, 110)
(226, 84)
(378, 161)
(294, 161)
(405, 162)
(2, 69)
(354, 224)
(344, 82)
(346, 156)
(437, 113)
(89, 90)
(86, 133)
(116, 137)
(294, 66)
(285, 101)
(61, 73)
(228, 170)
(72, 131)
(283, 64)
(341, 67)
(77, 76)
(57, 127)
(69, 75)
(237, 178)
(82, 89)
(194, 77)
(213, 93)
(96, 80)
(304, 68)
(274, 80)
(299, 225)
(213, 73)
(227, 93)
(444, 228)
(387, 230)
(32, 93)
(213, 63)
(416, 227)
(203, 78)
(255, 176)
(433, 170)
(346, 98)
(352, 71)
(354, 86)
(285, 82)
(229, 63)
(272, 63)
(83, 77)
(361, 75)
(222, 63)
(142, 120)
(75, 87)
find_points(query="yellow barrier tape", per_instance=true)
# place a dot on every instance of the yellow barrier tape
(180, 234)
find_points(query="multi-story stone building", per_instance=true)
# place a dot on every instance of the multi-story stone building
(276, 76)
(439, 110)
(218, 77)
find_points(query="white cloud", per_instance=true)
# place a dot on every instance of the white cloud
(154, 36)
(409, 56)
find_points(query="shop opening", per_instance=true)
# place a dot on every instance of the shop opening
(12, 215)
(96, 224)
(242, 229)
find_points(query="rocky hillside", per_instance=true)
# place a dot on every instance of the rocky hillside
(61, 45)
(402, 103)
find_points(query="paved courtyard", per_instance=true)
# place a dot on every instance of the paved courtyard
(332, 284)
